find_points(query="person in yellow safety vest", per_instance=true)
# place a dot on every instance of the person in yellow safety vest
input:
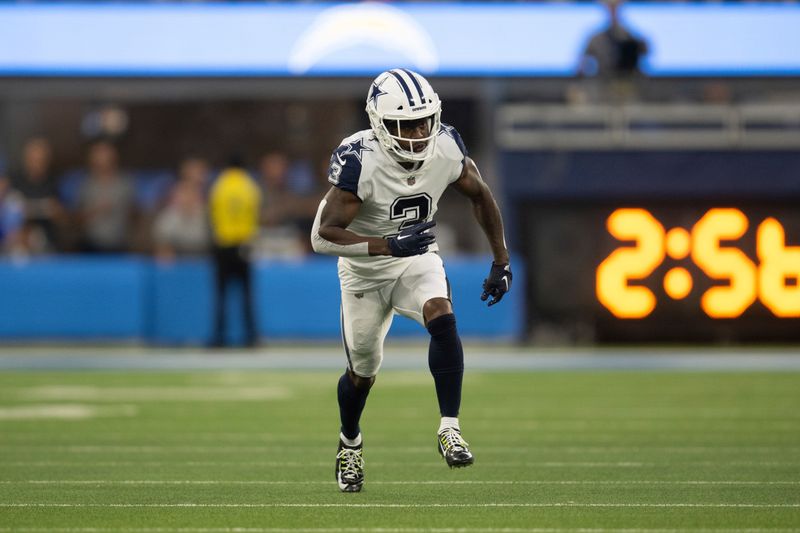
(234, 207)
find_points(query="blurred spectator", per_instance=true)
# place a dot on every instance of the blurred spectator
(107, 121)
(614, 51)
(196, 171)
(234, 204)
(154, 193)
(44, 214)
(611, 62)
(181, 228)
(12, 216)
(289, 205)
(273, 171)
(106, 202)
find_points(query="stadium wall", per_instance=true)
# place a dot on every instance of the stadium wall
(138, 299)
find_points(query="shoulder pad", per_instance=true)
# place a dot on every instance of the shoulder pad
(451, 132)
(346, 162)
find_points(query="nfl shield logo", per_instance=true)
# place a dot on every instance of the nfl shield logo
(411, 180)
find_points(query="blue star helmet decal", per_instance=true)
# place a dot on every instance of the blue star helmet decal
(356, 148)
(374, 92)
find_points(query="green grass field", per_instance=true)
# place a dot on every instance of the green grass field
(253, 452)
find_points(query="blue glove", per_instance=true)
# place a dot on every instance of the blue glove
(413, 240)
(497, 284)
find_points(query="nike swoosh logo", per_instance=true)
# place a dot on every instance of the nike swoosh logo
(341, 161)
(505, 278)
(401, 237)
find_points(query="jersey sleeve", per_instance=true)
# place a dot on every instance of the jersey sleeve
(344, 171)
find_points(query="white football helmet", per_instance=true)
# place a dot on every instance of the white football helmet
(399, 95)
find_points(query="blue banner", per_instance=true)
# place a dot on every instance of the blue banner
(449, 39)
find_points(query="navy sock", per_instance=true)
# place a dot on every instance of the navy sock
(352, 400)
(446, 361)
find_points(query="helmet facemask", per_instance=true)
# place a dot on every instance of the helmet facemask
(412, 149)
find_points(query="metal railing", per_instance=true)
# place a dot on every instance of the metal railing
(648, 127)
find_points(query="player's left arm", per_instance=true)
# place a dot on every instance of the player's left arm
(486, 212)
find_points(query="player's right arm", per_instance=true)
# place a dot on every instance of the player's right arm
(340, 207)
(330, 234)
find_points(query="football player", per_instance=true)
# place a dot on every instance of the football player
(378, 218)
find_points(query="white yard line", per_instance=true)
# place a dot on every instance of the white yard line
(383, 530)
(405, 505)
(600, 428)
(298, 464)
(248, 464)
(426, 482)
(379, 530)
(100, 448)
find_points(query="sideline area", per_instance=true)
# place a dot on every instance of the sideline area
(400, 356)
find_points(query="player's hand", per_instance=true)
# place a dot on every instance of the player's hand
(413, 240)
(497, 284)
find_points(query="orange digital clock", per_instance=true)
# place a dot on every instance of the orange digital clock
(738, 281)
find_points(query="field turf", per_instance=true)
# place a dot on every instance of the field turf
(228, 451)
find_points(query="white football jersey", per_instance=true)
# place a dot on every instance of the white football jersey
(392, 198)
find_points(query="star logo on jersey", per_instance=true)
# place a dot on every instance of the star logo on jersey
(448, 130)
(356, 148)
(374, 92)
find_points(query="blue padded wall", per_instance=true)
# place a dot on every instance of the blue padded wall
(131, 298)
